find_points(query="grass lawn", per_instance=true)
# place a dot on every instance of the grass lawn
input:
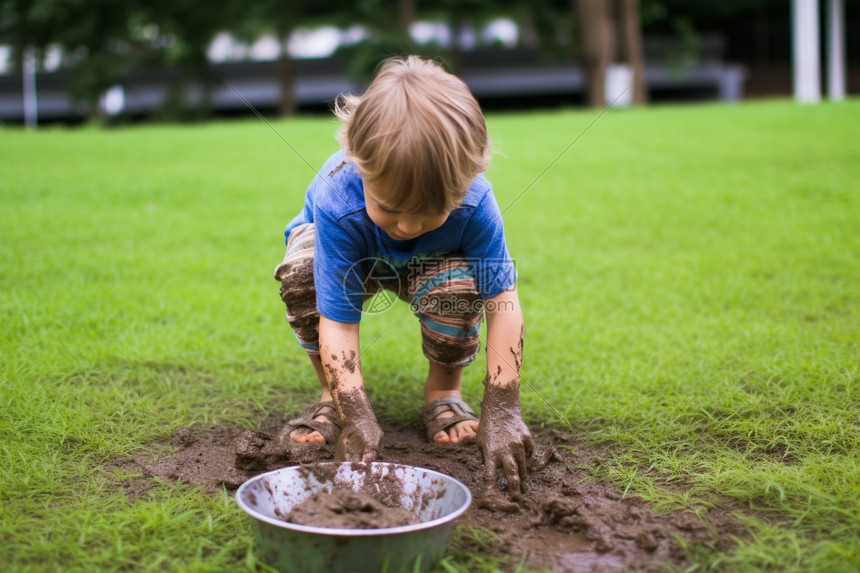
(690, 278)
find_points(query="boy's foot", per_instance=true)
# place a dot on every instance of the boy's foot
(323, 425)
(449, 420)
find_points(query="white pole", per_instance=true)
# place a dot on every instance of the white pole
(806, 51)
(836, 50)
(28, 76)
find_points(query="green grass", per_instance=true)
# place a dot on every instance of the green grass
(690, 278)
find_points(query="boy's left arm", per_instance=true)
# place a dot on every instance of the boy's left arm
(503, 438)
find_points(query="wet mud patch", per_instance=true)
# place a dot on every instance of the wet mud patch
(346, 509)
(567, 522)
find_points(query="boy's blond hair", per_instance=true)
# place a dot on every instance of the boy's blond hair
(416, 135)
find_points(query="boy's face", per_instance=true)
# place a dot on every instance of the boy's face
(399, 225)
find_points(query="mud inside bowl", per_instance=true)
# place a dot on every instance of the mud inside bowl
(367, 494)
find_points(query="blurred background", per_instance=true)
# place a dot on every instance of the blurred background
(184, 60)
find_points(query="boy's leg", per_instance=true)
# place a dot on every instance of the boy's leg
(444, 382)
(295, 274)
(444, 298)
(307, 435)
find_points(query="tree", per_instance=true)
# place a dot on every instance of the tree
(191, 25)
(462, 13)
(282, 19)
(631, 27)
(94, 34)
(595, 24)
(28, 23)
(602, 24)
(388, 23)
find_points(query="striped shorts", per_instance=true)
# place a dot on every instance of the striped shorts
(441, 293)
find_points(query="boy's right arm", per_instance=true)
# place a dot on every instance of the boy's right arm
(361, 437)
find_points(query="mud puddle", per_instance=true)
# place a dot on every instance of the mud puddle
(567, 523)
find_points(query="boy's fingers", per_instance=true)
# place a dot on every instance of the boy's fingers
(490, 465)
(529, 445)
(512, 474)
(369, 455)
(522, 465)
(528, 454)
(491, 498)
(482, 449)
(518, 457)
(350, 455)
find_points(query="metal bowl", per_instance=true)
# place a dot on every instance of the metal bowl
(435, 498)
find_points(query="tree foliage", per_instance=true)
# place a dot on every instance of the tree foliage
(103, 39)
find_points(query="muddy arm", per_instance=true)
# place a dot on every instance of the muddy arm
(361, 437)
(504, 338)
(503, 438)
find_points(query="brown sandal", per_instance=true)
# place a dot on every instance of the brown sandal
(431, 411)
(330, 430)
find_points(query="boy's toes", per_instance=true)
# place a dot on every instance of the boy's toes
(460, 431)
(441, 429)
(463, 430)
(306, 436)
(441, 437)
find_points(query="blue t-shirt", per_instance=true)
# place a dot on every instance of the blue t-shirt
(345, 236)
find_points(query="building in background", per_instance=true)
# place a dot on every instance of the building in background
(691, 52)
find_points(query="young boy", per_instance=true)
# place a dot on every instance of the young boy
(403, 206)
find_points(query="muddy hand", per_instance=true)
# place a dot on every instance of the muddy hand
(509, 449)
(361, 437)
(505, 443)
(359, 442)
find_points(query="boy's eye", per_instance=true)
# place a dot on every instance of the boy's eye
(386, 209)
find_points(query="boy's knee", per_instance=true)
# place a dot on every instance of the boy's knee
(444, 287)
(446, 301)
(296, 271)
(451, 352)
(296, 275)
(460, 305)
(300, 248)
